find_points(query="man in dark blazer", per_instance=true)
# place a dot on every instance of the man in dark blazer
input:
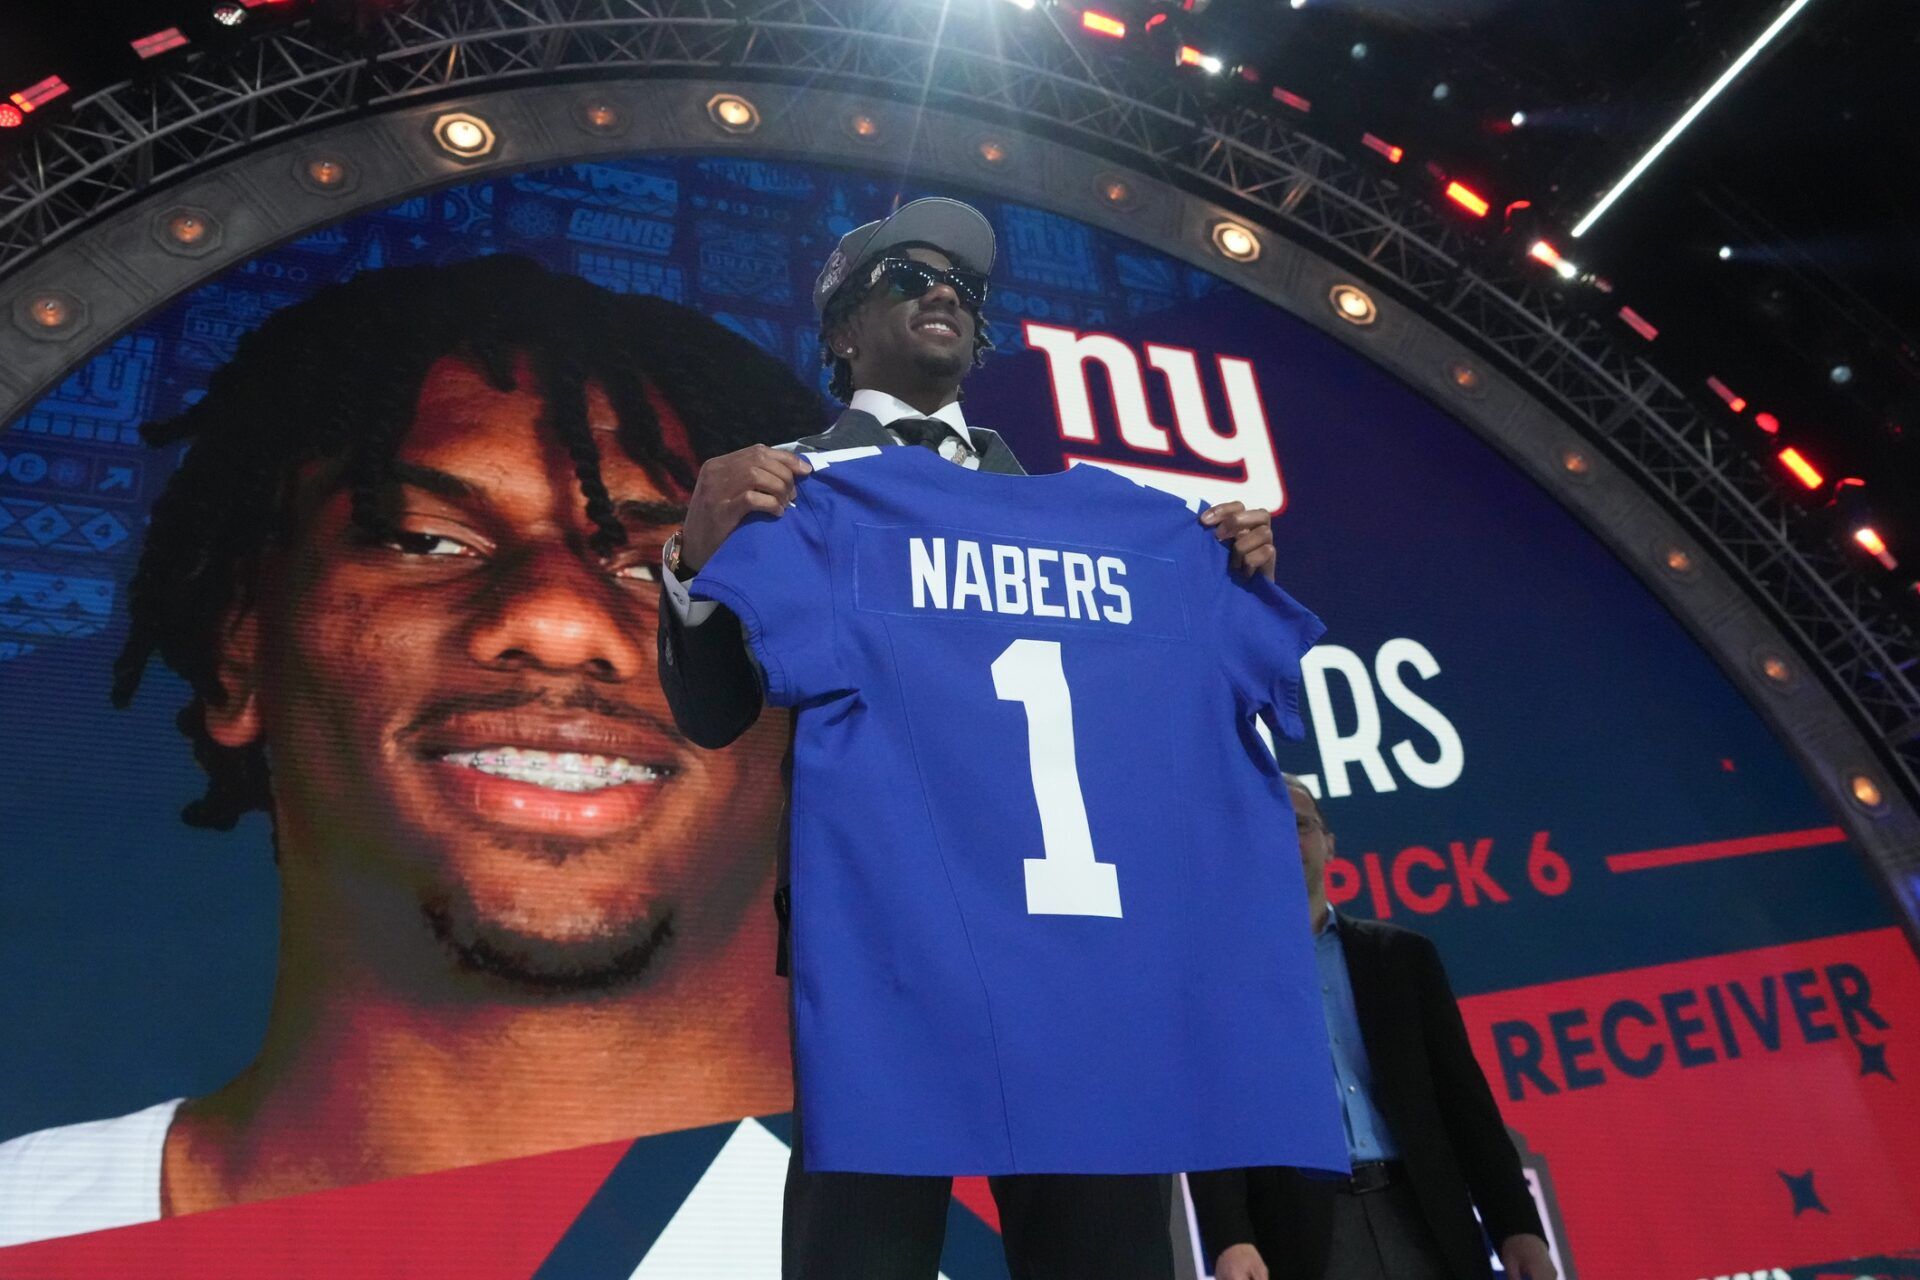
(1424, 1132)
(899, 301)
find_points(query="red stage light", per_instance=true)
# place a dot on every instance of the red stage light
(1638, 323)
(35, 96)
(1736, 403)
(1469, 199)
(1544, 252)
(1103, 24)
(1802, 469)
(1767, 423)
(1154, 21)
(1293, 100)
(159, 42)
(1385, 148)
(1192, 57)
(1875, 546)
(11, 117)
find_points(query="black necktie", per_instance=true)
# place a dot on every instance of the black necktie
(927, 433)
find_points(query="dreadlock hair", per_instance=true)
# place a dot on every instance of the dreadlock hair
(842, 305)
(335, 379)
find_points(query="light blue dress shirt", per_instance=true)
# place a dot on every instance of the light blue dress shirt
(1368, 1137)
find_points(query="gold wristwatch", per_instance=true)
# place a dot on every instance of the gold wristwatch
(675, 565)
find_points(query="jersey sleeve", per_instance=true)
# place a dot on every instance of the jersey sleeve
(1264, 632)
(775, 574)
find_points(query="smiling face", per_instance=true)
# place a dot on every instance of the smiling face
(910, 345)
(464, 716)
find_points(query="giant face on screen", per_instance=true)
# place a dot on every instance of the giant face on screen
(377, 592)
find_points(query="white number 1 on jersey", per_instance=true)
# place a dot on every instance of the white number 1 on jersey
(1068, 881)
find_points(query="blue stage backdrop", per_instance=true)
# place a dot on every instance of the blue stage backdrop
(1692, 1003)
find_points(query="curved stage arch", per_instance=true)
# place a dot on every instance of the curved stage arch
(1667, 476)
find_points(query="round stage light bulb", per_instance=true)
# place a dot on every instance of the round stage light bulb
(1841, 374)
(1358, 51)
(1236, 241)
(1352, 304)
(600, 116)
(1517, 119)
(1297, 4)
(1678, 561)
(1440, 92)
(326, 173)
(733, 113)
(49, 311)
(991, 151)
(187, 228)
(1464, 376)
(1866, 792)
(864, 127)
(11, 117)
(1116, 191)
(1775, 668)
(1575, 463)
(464, 135)
(229, 15)
(1726, 253)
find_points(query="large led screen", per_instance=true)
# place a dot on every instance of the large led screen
(416, 1042)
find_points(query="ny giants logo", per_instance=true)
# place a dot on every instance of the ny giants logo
(1249, 467)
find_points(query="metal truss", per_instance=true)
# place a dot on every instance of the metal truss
(984, 59)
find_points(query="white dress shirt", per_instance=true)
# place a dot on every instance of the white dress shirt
(880, 405)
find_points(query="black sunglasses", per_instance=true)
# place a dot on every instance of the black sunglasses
(910, 279)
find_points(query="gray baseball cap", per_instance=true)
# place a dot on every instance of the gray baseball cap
(958, 230)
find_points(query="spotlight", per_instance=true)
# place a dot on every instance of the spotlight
(1103, 24)
(50, 311)
(1575, 463)
(1358, 52)
(863, 126)
(1866, 792)
(1023, 4)
(1352, 304)
(1767, 423)
(601, 117)
(1841, 374)
(38, 94)
(733, 113)
(1467, 198)
(1517, 119)
(1775, 668)
(991, 151)
(1678, 562)
(1192, 57)
(1737, 403)
(229, 15)
(11, 117)
(463, 136)
(324, 172)
(158, 43)
(1465, 377)
(187, 227)
(1117, 192)
(1383, 147)
(1726, 253)
(1294, 100)
(1803, 471)
(1638, 323)
(1296, 4)
(1235, 241)
(1874, 545)
(1440, 91)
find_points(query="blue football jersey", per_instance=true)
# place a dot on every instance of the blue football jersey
(1048, 910)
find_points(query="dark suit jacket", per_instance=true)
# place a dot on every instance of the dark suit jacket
(711, 683)
(1436, 1103)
